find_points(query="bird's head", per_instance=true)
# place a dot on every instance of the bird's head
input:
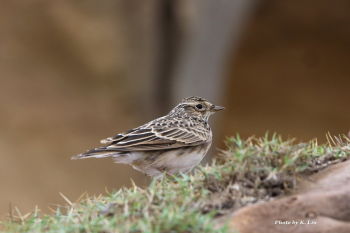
(197, 107)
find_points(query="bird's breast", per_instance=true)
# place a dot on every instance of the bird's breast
(184, 158)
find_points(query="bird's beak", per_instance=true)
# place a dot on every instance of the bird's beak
(216, 108)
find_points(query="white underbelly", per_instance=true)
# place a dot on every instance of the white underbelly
(181, 161)
(172, 161)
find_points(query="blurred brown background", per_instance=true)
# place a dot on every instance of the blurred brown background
(74, 72)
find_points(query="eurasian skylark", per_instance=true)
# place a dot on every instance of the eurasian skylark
(174, 143)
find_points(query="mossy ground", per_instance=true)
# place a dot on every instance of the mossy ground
(246, 172)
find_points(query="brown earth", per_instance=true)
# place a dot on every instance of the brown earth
(321, 204)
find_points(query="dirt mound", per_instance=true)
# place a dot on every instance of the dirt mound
(320, 204)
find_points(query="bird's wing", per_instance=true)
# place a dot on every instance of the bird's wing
(156, 137)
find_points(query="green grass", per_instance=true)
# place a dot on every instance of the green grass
(247, 171)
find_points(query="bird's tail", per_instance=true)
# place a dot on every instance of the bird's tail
(100, 152)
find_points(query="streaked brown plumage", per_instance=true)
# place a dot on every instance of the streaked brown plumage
(170, 144)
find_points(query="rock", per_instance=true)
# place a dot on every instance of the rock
(321, 204)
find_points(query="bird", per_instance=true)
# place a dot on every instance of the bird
(171, 144)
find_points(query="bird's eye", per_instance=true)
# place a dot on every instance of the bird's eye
(199, 106)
